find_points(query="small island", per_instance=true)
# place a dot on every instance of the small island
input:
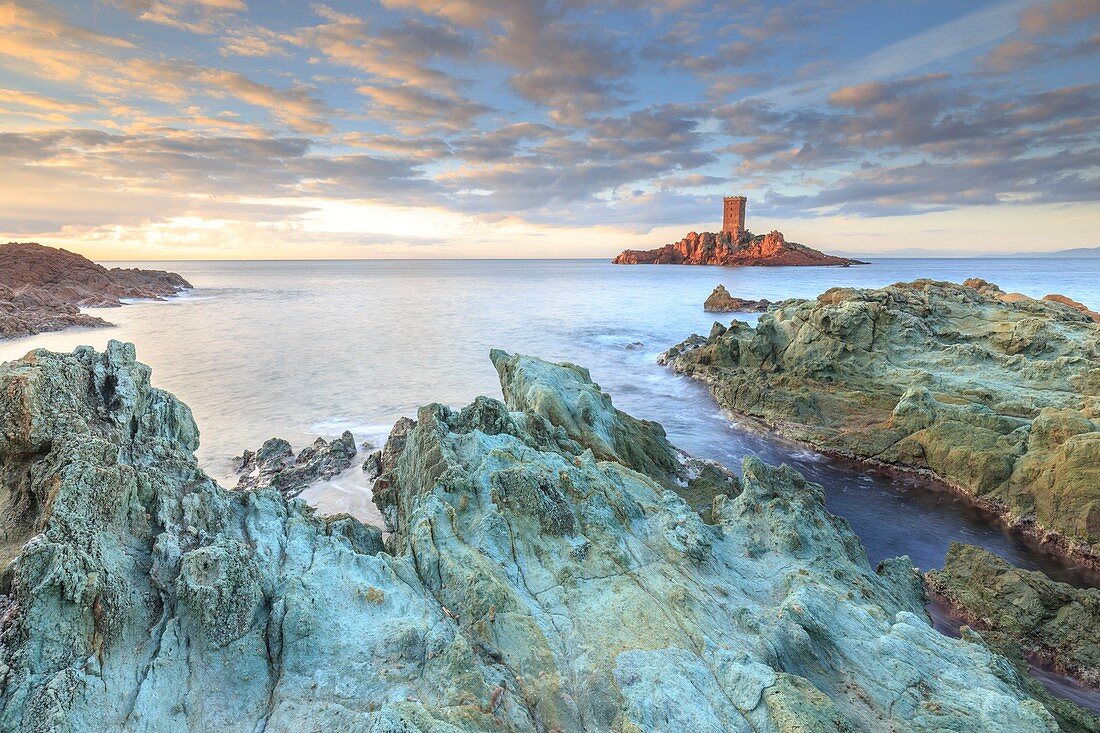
(720, 301)
(733, 246)
(43, 288)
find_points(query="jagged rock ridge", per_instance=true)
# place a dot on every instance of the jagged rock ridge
(726, 248)
(43, 288)
(542, 574)
(999, 397)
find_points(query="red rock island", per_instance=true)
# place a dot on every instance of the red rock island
(734, 246)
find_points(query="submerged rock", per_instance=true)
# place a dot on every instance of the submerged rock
(43, 288)
(538, 578)
(999, 398)
(1054, 624)
(275, 466)
(720, 301)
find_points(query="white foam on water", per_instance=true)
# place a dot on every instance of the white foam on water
(365, 432)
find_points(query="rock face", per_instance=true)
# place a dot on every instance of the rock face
(537, 578)
(1053, 623)
(710, 248)
(720, 301)
(1000, 399)
(275, 466)
(43, 289)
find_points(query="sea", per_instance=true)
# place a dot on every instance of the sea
(307, 349)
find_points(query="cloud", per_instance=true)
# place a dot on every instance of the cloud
(41, 106)
(397, 53)
(908, 189)
(938, 44)
(415, 148)
(1023, 53)
(295, 107)
(37, 39)
(409, 104)
(255, 42)
(193, 16)
(1047, 17)
(90, 178)
(973, 148)
(558, 63)
(1026, 48)
(553, 112)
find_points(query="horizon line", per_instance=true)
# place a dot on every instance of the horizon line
(871, 255)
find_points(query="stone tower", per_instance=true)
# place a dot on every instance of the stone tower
(733, 215)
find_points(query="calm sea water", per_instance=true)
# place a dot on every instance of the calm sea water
(302, 349)
(307, 349)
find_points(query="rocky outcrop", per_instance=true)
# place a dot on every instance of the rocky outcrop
(536, 578)
(43, 289)
(275, 466)
(27, 314)
(1054, 624)
(720, 301)
(1074, 304)
(722, 248)
(1000, 399)
(989, 288)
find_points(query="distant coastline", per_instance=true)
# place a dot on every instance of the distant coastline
(1081, 253)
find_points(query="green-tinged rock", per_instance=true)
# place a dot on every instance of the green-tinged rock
(619, 609)
(143, 597)
(997, 394)
(541, 575)
(565, 397)
(1054, 623)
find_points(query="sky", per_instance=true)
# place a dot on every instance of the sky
(241, 129)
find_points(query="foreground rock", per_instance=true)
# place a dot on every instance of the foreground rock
(42, 288)
(275, 466)
(731, 249)
(1054, 624)
(720, 301)
(999, 398)
(538, 578)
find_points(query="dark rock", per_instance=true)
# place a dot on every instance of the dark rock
(274, 465)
